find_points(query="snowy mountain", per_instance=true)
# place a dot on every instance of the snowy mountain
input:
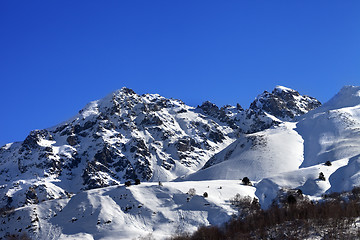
(123, 136)
(127, 136)
(292, 155)
(71, 168)
(266, 152)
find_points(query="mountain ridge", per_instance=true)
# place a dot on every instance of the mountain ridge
(127, 136)
(77, 169)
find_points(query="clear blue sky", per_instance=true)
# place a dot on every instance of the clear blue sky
(56, 56)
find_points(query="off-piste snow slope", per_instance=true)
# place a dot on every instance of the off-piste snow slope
(66, 182)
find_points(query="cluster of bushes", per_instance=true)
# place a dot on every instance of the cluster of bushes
(291, 216)
(128, 183)
(246, 181)
(22, 236)
(244, 205)
(4, 211)
(192, 192)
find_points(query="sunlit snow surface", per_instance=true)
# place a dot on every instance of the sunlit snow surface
(128, 212)
(257, 155)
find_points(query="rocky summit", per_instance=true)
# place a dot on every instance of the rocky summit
(284, 103)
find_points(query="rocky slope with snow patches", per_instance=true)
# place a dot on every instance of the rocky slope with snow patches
(126, 136)
(284, 103)
(123, 136)
(267, 110)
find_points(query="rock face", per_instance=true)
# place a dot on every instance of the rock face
(125, 136)
(284, 103)
(268, 109)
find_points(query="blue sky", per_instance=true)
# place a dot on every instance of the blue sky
(56, 56)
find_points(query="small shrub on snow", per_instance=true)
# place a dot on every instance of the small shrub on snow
(289, 197)
(245, 205)
(246, 181)
(6, 211)
(23, 236)
(328, 163)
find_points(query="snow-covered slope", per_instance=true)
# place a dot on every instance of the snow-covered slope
(260, 153)
(292, 154)
(59, 179)
(305, 179)
(332, 131)
(121, 212)
(328, 133)
(331, 134)
(256, 156)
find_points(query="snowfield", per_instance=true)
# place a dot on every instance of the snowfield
(256, 156)
(121, 212)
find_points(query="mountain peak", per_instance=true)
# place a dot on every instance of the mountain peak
(284, 103)
(348, 96)
(122, 91)
(349, 91)
(127, 91)
(279, 88)
(209, 108)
